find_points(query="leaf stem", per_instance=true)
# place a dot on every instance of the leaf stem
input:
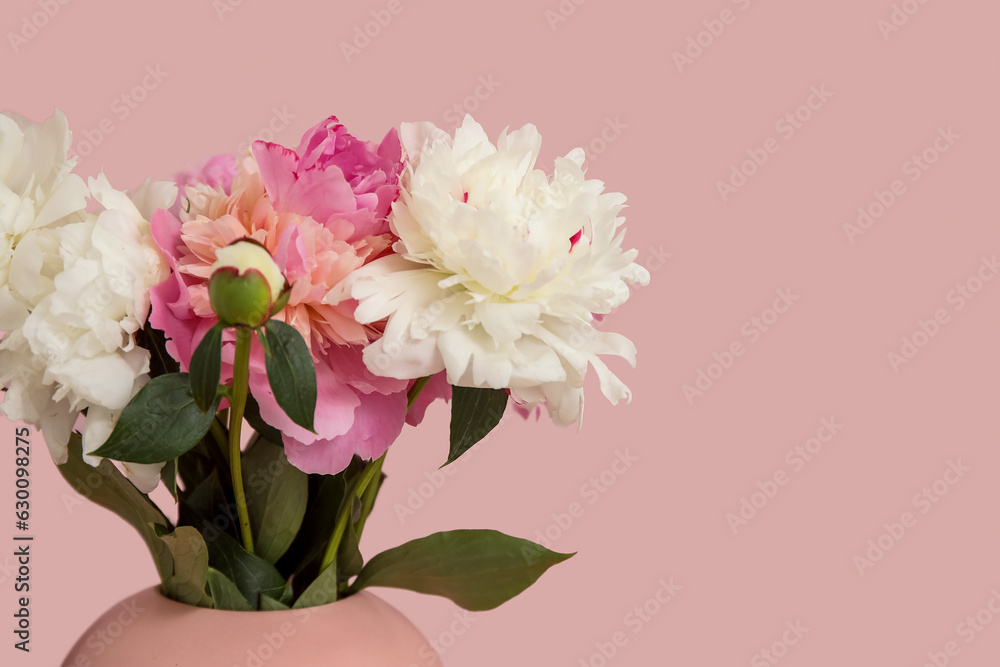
(414, 393)
(237, 404)
(364, 489)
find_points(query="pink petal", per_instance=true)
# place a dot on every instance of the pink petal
(378, 422)
(277, 166)
(335, 407)
(437, 387)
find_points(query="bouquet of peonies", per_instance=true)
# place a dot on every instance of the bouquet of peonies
(324, 296)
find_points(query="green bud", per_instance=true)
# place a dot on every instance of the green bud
(246, 287)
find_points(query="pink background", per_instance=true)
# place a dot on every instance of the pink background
(715, 264)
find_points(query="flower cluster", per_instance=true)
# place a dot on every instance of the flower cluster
(434, 255)
(321, 212)
(74, 289)
(500, 271)
(325, 295)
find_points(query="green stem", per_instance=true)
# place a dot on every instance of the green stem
(364, 489)
(368, 499)
(414, 393)
(237, 404)
(345, 511)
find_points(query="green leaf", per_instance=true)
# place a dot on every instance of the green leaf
(291, 373)
(477, 569)
(160, 361)
(190, 571)
(287, 594)
(160, 423)
(277, 494)
(323, 590)
(207, 508)
(349, 559)
(253, 576)
(206, 368)
(168, 475)
(107, 487)
(326, 493)
(225, 595)
(252, 414)
(197, 464)
(474, 413)
(270, 604)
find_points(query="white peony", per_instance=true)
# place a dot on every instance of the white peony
(38, 189)
(500, 271)
(77, 291)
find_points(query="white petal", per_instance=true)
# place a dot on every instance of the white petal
(113, 200)
(415, 359)
(145, 476)
(13, 313)
(507, 322)
(612, 388)
(103, 381)
(416, 136)
(97, 427)
(153, 195)
(68, 198)
(56, 428)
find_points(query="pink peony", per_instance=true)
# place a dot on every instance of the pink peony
(320, 211)
(333, 176)
(216, 173)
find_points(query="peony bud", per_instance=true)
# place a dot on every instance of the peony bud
(246, 287)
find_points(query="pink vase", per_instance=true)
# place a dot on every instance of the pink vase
(149, 630)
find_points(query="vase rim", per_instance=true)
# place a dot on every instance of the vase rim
(363, 595)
